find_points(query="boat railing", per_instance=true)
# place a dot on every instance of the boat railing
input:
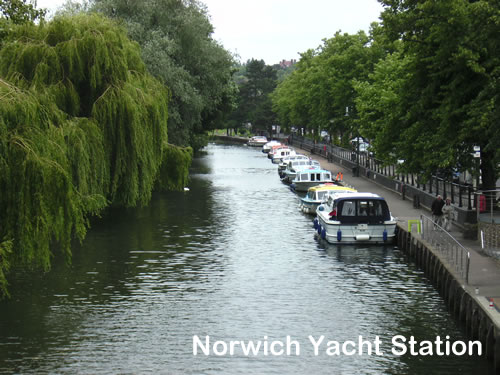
(447, 246)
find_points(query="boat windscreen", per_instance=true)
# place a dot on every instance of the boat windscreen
(321, 194)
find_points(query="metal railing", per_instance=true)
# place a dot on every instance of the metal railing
(488, 218)
(447, 246)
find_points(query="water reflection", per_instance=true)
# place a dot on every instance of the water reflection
(234, 259)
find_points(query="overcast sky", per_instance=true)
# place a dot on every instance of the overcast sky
(275, 30)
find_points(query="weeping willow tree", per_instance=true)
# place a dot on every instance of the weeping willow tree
(174, 171)
(82, 125)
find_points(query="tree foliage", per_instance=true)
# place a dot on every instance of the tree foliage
(422, 87)
(82, 125)
(174, 171)
(177, 47)
(444, 85)
(320, 92)
(21, 11)
(256, 82)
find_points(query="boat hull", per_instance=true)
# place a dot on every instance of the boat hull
(255, 144)
(355, 233)
(308, 207)
(305, 185)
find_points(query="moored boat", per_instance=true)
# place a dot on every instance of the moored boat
(273, 149)
(310, 177)
(257, 141)
(286, 160)
(317, 194)
(280, 153)
(269, 145)
(355, 218)
(296, 166)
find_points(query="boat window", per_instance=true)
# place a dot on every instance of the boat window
(349, 208)
(371, 211)
(370, 208)
(321, 194)
(362, 208)
(303, 177)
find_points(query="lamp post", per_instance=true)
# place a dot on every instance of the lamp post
(357, 157)
(356, 171)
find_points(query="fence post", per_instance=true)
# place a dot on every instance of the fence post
(469, 191)
(460, 192)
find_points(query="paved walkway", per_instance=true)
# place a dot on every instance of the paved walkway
(484, 271)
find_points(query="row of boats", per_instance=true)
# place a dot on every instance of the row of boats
(342, 214)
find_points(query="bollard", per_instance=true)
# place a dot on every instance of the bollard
(419, 225)
(416, 201)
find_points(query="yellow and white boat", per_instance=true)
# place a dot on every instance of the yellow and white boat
(316, 194)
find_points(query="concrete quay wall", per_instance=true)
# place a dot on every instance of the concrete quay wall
(472, 312)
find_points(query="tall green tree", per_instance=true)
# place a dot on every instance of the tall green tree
(451, 97)
(254, 103)
(382, 110)
(320, 93)
(290, 100)
(21, 11)
(255, 81)
(178, 49)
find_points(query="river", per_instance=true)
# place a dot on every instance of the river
(232, 259)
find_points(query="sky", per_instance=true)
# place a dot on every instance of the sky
(275, 30)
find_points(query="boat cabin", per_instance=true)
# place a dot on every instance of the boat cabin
(306, 178)
(280, 153)
(314, 175)
(321, 192)
(355, 208)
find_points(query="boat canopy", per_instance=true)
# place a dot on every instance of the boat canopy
(369, 210)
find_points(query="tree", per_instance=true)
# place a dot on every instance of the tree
(177, 47)
(320, 92)
(82, 125)
(21, 11)
(254, 103)
(382, 111)
(451, 97)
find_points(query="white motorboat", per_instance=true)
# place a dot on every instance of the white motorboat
(297, 166)
(269, 145)
(257, 141)
(355, 218)
(317, 194)
(286, 160)
(280, 153)
(310, 177)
